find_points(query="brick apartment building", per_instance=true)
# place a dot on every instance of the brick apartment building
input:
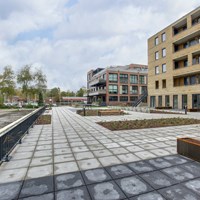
(174, 64)
(119, 85)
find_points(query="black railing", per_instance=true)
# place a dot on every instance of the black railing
(142, 97)
(13, 135)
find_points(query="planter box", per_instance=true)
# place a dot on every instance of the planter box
(189, 147)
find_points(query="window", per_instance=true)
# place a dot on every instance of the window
(142, 79)
(123, 98)
(123, 78)
(113, 98)
(143, 89)
(184, 100)
(186, 80)
(152, 101)
(123, 89)
(164, 69)
(133, 89)
(113, 78)
(157, 84)
(192, 80)
(133, 98)
(167, 101)
(163, 36)
(133, 79)
(163, 52)
(157, 70)
(156, 55)
(159, 101)
(164, 83)
(175, 101)
(185, 63)
(113, 89)
(156, 41)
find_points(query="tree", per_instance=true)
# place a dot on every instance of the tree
(25, 79)
(81, 92)
(7, 83)
(40, 99)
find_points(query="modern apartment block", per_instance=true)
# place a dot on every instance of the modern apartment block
(119, 85)
(174, 64)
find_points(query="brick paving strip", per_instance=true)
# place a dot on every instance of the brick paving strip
(75, 158)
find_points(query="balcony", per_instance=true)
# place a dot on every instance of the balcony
(180, 62)
(196, 18)
(180, 27)
(196, 58)
(98, 92)
(97, 82)
(189, 80)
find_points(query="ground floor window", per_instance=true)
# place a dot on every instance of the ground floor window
(159, 101)
(196, 101)
(113, 98)
(152, 101)
(184, 100)
(167, 101)
(124, 98)
(133, 98)
(175, 101)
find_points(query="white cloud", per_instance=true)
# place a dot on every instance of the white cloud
(68, 41)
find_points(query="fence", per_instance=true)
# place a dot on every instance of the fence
(12, 134)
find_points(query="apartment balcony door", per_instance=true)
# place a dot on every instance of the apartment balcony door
(175, 101)
(152, 101)
(196, 101)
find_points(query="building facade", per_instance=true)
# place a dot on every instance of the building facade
(119, 85)
(174, 64)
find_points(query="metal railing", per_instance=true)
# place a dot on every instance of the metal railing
(12, 134)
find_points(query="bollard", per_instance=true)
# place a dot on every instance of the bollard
(84, 111)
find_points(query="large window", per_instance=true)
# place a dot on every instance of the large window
(133, 98)
(113, 78)
(184, 100)
(163, 36)
(113, 89)
(156, 41)
(133, 89)
(157, 84)
(164, 83)
(113, 98)
(152, 101)
(156, 55)
(123, 89)
(142, 79)
(157, 70)
(167, 101)
(159, 101)
(133, 79)
(164, 68)
(123, 78)
(163, 52)
(175, 101)
(123, 98)
(143, 89)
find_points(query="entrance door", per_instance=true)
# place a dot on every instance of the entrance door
(152, 101)
(175, 101)
(196, 101)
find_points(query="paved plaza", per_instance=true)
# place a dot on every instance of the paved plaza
(75, 158)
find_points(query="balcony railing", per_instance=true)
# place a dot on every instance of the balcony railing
(96, 82)
(98, 92)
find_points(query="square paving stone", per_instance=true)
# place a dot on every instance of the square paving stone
(37, 186)
(178, 174)
(193, 185)
(149, 196)
(177, 159)
(95, 175)
(159, 163)
(119, 171)
(158, 180)
(106, 191)
(178, 192)
(66, 167)
(10, 190)
(133, 186)
(79, 193)
(67, 181)
(193, 168)
(49, 196)
(141, 167)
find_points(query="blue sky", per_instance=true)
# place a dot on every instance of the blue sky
(67, 38)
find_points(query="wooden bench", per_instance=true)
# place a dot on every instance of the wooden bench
(110, 112)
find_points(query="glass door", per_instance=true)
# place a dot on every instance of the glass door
(196, 101)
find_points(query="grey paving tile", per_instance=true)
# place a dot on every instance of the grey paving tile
(149, 196)
(79, 193)
(119, 171)
(159, 163)
(102, 153)
(95, 175)
(158, 180)
(67, 181)
(40, 171)
(109, 160)
(88, 164)
(49, 196)
(178, 174)
(141, 167)
(83, 155)
(37, 186)
(63, 158)
(106, 191)
(66, 167)
(193, 168)
(10, 190)
(133, 186)
(177, 159)
(193, 185)
(178, 192)
(129, 157)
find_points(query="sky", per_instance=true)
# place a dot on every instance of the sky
(67, 38)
